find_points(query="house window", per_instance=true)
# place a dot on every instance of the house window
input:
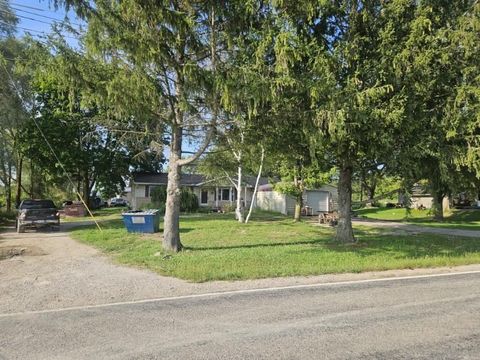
(226, 194)
(204, 197)
(147, 191)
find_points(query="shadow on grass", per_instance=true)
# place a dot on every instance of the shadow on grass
(371, 242)
(413, 246)
(252, 246)
(464, 216)
(115, 224)
(256, 218)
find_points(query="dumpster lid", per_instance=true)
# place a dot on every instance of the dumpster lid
(141, 212)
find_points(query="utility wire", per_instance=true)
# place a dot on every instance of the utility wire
(58, 21)
(38, 31)
(43, 16)
(26, 17)
(52, 150)
(24, 6)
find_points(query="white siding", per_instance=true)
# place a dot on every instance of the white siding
(290, 204)
(139, 191)
(271, 201)
(318, 200)
(422, 201)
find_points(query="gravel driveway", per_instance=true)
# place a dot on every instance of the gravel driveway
(49, 270)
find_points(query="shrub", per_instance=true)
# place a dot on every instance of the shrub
(6, 216)
(228, 208)
(159, 195)
(151, 205)
(188, 201)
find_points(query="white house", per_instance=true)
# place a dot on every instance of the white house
(323, 199)
(215, 193)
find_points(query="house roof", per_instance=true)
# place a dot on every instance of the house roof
(162, 179)
(191, 179)
(419, 190)
(269, 187)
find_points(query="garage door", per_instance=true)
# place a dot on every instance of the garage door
(317, 200)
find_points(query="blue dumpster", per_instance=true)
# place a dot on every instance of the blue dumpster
(147, 221)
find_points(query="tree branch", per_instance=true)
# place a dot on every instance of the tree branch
(229, 178)
(201, 150)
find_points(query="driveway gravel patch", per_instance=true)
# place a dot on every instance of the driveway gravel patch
(54, 271)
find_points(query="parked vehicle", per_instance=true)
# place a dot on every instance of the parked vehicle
(118, 202)
(36, 214)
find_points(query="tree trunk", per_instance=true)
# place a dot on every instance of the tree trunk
(344, 227)
(171, 226)
(371, 194)
(437, 206)
(18, 197)
(32, 188)
(256, 185)
(8, 188)
(239, 209)
(86, 188)
(298, 208)
(298, 200)
(361, 188)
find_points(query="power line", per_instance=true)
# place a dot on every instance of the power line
(26, 17)
(25, 6)
(44, 22)
(38, 31)
(43, 16)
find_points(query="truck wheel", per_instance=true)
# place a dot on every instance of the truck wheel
(20, 228)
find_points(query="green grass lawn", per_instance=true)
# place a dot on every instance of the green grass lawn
(219, 248)
(456, 219)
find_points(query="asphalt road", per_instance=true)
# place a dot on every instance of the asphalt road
(422, 318)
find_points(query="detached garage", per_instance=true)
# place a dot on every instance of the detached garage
(323, 199)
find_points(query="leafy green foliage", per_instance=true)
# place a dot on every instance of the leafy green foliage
(8, 20)
(89, 154)
(159, 196)
(188, 201)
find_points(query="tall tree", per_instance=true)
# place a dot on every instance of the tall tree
(437, 69)
(333, 61)
(165, 57)
(13, 110)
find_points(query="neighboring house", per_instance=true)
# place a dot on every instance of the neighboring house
(324, 199)
(420, 198)
(215, 193)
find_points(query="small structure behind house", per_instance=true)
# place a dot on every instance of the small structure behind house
(315, 201)
(420, 198)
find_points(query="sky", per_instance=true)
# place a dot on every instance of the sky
(36, 17)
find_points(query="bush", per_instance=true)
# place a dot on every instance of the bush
(159, 195)
(188, 201)
(150, 205)
(227, 208)
(6, 216)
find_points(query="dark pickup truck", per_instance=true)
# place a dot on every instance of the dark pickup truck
(37, 214)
